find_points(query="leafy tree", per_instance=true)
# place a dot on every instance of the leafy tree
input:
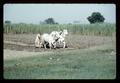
(7, 22)
(50, 21)
(56, 23)
(96, 17)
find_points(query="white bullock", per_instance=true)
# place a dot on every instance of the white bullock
(62, 35)
(49, 39)
(37, 41)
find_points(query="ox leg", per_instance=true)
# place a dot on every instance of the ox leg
(37, 45)
(54, 44)
(44, 45)
(64, 44)
(50, 45)
(40, 44)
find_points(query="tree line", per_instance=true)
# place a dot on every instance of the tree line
(96, 17)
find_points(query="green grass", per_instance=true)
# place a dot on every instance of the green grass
(103, 29)
(90, 63)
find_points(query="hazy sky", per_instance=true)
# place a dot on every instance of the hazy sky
(62, 13)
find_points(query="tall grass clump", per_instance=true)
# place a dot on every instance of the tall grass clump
(102, 29)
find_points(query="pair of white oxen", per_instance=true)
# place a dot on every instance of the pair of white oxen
(51, 39)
